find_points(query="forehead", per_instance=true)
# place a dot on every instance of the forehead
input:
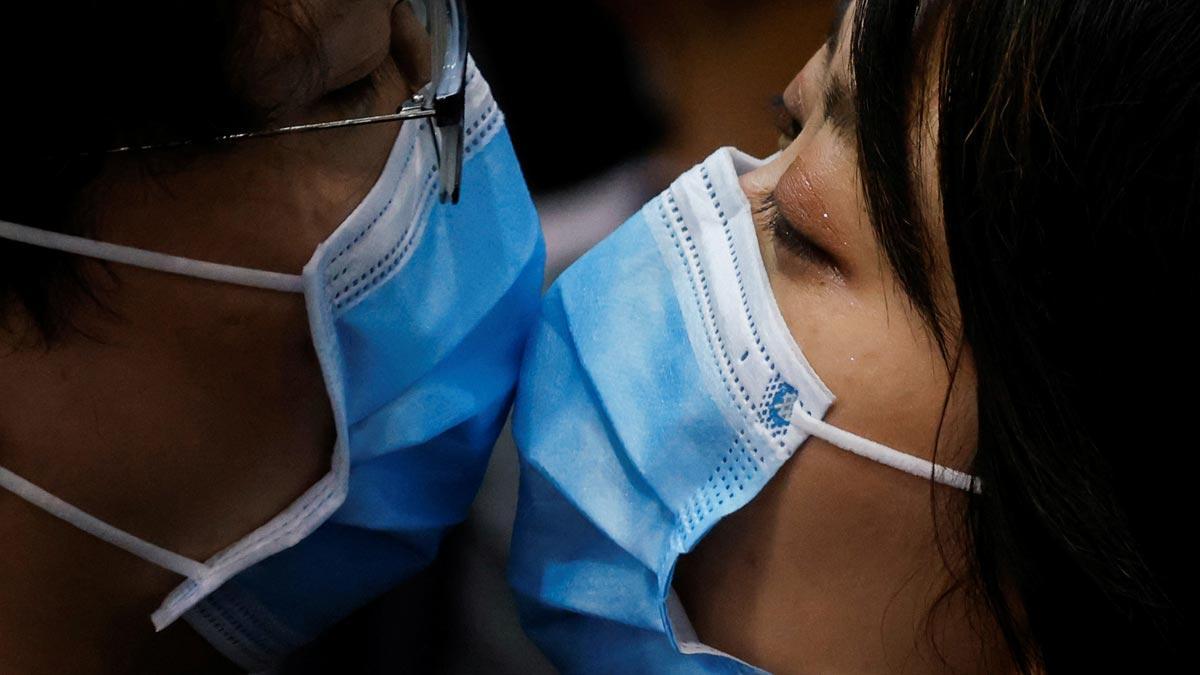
(319, 12)
(302, 21)
(289, 50)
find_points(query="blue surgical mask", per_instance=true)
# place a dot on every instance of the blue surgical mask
(661, 391)
(418, 311)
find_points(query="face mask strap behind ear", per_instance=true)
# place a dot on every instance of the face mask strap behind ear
(147, 260)
(150, 260)
(884, 455)
(100, 529)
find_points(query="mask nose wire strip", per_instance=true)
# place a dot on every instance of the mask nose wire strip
(161, 262)
(100, 529)
(882, 454)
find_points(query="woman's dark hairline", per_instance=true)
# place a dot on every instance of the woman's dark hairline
(838, 95)
(835, 30)
(920, 260)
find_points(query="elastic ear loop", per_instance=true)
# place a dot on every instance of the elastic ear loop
(161, 262)
(125, 255)
(100, 529)
(882, 454)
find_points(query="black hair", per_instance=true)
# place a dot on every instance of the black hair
(591, 54)
(1068, 154)
(98, 75)
(79, 80)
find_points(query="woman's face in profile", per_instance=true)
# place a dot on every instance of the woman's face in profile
(833, 525)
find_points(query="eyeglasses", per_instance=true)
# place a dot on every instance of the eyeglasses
(443, 99)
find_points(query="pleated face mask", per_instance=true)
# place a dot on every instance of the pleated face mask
(661, 391)
(418, 312)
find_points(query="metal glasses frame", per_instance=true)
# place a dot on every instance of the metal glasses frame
(443, 99)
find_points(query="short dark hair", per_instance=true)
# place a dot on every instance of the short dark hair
(1069, 166)
(88, 77)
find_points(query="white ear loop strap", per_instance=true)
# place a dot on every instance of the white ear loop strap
(125, 255)
(100, 529)
(882, 454)
(161, 262)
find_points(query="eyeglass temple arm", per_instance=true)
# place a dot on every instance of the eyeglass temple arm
(413, 109)
(448, 118)
(449, 89)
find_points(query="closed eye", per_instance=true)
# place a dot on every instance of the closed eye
(355, 92)
(793, 240)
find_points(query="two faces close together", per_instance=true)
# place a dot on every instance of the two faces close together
(903, 397)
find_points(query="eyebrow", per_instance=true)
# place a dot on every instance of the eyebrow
(839, 106)
(839, 103)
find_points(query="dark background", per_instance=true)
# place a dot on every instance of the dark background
(586, 83)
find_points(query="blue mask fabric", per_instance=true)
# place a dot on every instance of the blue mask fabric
(661, 391)
(418, 312)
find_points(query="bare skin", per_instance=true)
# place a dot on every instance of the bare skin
(836, 566)
(189, 412)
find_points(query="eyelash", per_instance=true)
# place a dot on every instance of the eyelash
(781, 230)
(357, 91)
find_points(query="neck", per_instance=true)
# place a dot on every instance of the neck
(75, 605)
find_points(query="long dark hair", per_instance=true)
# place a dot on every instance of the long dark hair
(1069, 167)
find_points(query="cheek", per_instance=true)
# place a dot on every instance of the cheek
(873, 352)
(860, 333)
